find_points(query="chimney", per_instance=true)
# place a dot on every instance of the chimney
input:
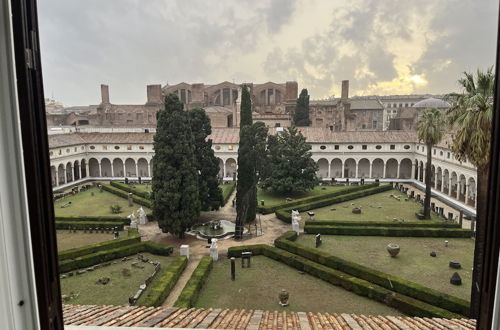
(104, 94)
(153, 94)
(345, 90)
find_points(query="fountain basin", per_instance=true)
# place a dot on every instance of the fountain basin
(213, 229)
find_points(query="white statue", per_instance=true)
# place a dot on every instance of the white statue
(214, 250)
(133, 220)
(142, 216)
(296, 221)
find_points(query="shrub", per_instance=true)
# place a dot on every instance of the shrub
(407, 305)
(127, 188)
(117, 219)
(88, 224)
(124, 194)
(163, 283)
(420, 224)
(192, 289)
(115, 209)
(299, 201)
(387, 231)
(394, 283)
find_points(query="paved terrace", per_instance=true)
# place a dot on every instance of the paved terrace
(100, 317)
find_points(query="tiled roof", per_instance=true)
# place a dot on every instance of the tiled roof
(360, 104)
(133, 316)
(231, 135)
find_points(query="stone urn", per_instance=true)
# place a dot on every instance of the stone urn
(393, 249)
(356, 210)
(284, 296)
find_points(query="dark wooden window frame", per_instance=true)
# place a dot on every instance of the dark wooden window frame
(39, 193)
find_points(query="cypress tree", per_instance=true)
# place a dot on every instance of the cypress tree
(175, 196)
(210, 194)
(301, 115)
(245, 107)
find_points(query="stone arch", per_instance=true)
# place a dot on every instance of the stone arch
(118, 167)
(94, 168)
(83, 164)
(322, 168)
(439, 178)
(364, 168)
(453, 184)
(142, 166)
(405, 168)
(76, 170)
(378, 168)
(105, 167)
(53, 175)
(61, 175)
(221, 167)
(462, 182)
(471, 192)
(231, 166)
(130, 170)
(350, 168)
(69, 172)
(446, 181)
(391, 169)
(336, 168)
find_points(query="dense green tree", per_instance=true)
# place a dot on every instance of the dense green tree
(301, 115)
(471, 119)
(210, 194)
(245, 107)
(175, 197)
(430, 130)
(289, 163)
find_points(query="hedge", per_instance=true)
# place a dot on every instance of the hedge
(163, 283)
(421, 224)
(127, 188)
(191, 291)
(88, 224)
(394, 283)
(122, 220)
(111, 254)
(298, 201)
(388, 231)
(124, 194)
(285, 213)
(227, 193)
(405, 304)
(103, 246)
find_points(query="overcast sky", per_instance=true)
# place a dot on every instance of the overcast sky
(382, 47)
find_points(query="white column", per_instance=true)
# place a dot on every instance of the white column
(137, 169)
(112, 171)
(124, 173)
(224, 167)
(71, 176)
(449, 187)
(329, 170)
(413, 170)
(423, 174)
(383, 171)
(355, 169)
(87, 173)
(81, 171)
(397, 171)
(343, 169)
(370, 170)
(466, 190)
(100, 170)
(442, 182)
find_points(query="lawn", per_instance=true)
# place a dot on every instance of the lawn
(84, 204)
(413, 263)
(378, 207)
(85, 290)
(67, 240)
(271, 198)
(258, 287)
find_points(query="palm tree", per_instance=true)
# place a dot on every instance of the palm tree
(471, 117)
(430, 130)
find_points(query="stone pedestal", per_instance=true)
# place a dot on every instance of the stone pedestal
(184, 251)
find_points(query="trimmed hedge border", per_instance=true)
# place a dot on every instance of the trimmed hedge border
(394, 283)
(125, 187)
(405, 304)
(299, 201)
(227, 194)
(132, 238)
(163, 283)
(88, 224)
(101, 256)
(116, 219)
(421, 224)
(124, 194)
(285, 213)
(388, 231)
(191, 291)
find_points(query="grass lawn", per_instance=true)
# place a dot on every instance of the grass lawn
(67, 240)
(84, 204)
(258, 287)
(378, 207)
(271, 198)
(84, 289)
(226, 188)
(413, 262)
